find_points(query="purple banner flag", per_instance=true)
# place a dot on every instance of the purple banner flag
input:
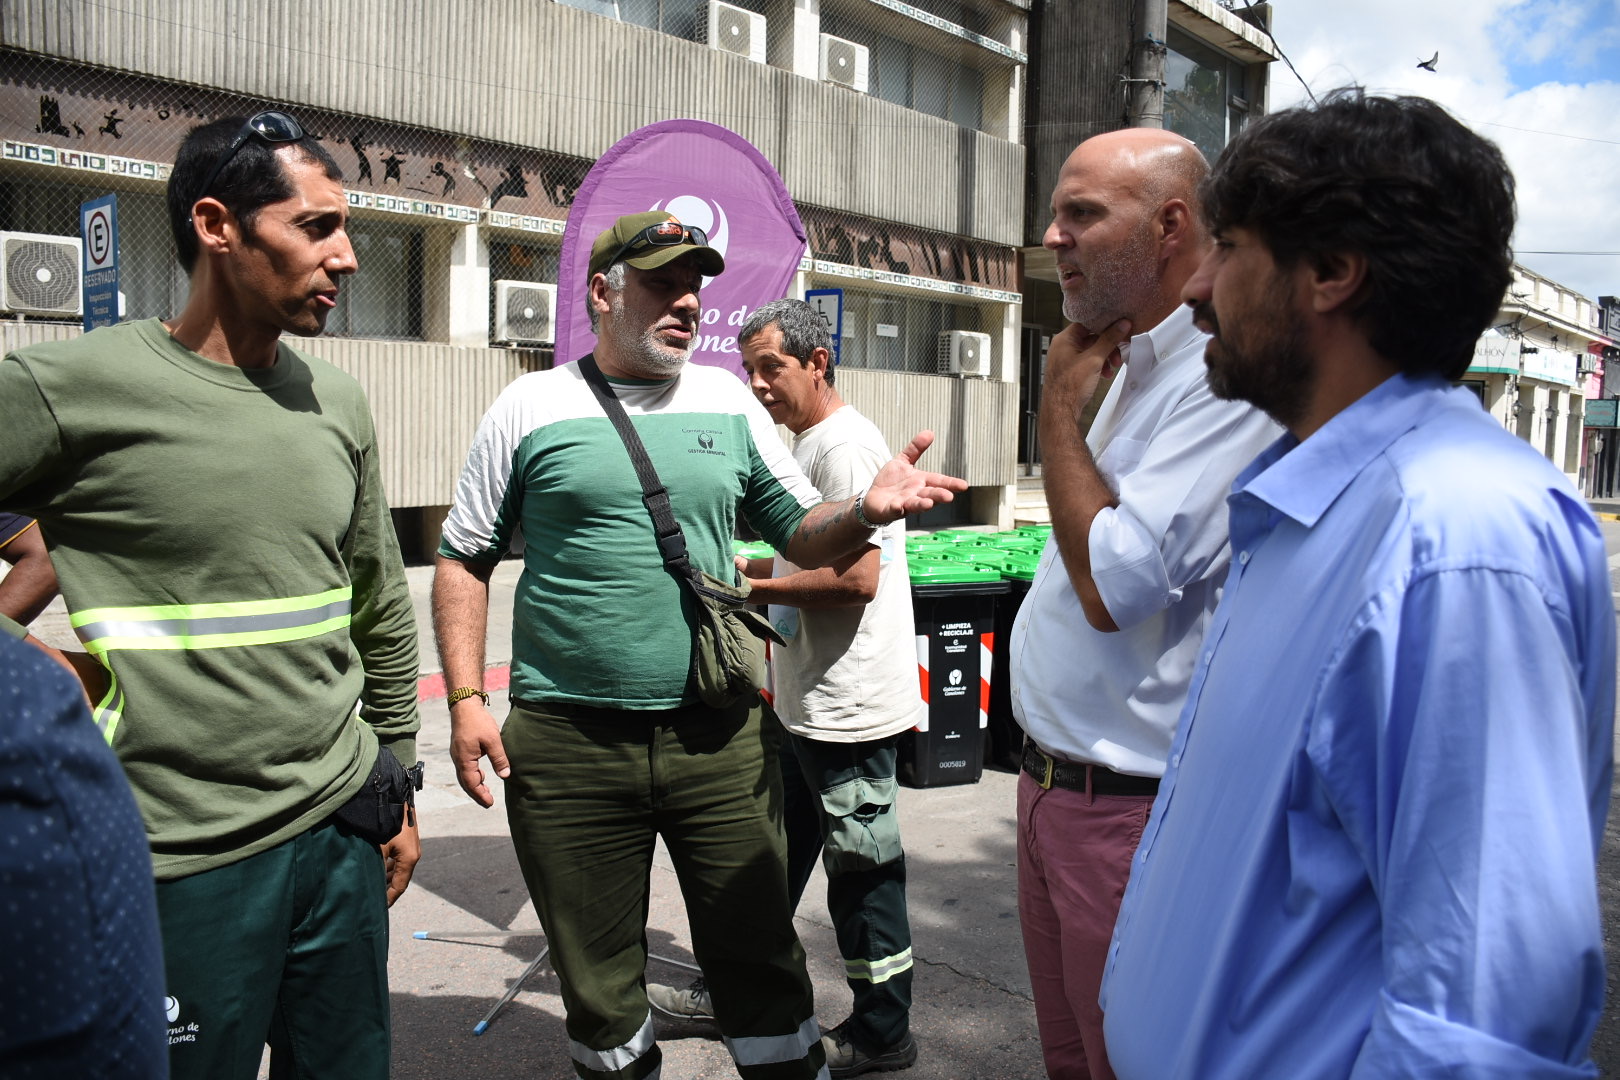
(706, 176)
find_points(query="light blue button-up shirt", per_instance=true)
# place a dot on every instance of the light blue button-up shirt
(1373, 852)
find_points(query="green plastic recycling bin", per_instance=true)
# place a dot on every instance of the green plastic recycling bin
(1004, 739)
(1016, 542)
(753, 549)
(955, 609)
(960, 536)
(928, 549)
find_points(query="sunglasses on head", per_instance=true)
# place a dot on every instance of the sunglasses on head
(661, 234)
(272, 127)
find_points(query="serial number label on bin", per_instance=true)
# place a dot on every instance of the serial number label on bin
(962, 764)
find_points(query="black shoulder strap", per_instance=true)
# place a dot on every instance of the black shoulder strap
(671, 541)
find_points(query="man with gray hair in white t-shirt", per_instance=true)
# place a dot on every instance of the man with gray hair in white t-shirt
(846, 688)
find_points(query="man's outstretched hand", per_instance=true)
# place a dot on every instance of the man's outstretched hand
(900, 488)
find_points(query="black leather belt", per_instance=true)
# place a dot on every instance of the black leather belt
(1049, 772)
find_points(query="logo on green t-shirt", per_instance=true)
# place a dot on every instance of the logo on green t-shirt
(705, 441)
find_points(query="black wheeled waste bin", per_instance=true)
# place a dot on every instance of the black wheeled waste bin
(955, 610)
(1004, 739)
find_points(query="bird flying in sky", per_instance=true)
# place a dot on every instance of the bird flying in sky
(1428, 65)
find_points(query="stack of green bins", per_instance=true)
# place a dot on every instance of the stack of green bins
(954, 604)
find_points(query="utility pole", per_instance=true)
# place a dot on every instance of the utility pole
(1146, 81)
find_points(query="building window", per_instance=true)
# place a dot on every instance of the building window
(1206, 93)
(384, 299)
(149, 276)
(885, 332)
(687, 19)
(916, 78)
(515, 260)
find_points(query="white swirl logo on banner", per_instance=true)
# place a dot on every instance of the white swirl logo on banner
(706, 214)
(706, 176)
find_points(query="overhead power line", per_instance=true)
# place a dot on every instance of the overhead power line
(1555, 134)
(1278, 46)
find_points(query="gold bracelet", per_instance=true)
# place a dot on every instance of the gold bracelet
(461, 693)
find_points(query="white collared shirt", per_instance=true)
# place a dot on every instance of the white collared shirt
(1170, 450)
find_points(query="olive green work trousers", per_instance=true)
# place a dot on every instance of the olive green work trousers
(590, 792)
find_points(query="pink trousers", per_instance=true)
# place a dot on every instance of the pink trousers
(1074, 856)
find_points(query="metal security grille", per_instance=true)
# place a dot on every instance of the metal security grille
(72, 133)
(885, 332)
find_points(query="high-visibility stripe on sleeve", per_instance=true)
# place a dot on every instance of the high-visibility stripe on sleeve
(110, 709)
(214, 626)
(616, 1058)
(770, 1049)
(878, 971)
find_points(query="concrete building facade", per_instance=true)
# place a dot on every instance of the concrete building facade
(464, 127)
(1211, 67)
(1536, 368)
(920, 141)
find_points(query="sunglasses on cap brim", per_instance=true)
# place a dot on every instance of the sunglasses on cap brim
(661, 234)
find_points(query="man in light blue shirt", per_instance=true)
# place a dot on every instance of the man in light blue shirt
(1373, 852)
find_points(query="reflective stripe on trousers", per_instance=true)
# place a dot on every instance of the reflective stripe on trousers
(769, 1049)
(878, 971)
(618, 1057)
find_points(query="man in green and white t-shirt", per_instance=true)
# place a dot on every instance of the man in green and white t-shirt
(846, 687)
(607, 748)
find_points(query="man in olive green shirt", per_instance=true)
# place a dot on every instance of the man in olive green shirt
(216, 517)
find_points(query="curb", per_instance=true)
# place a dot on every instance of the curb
(432, 688)
(1606, 517)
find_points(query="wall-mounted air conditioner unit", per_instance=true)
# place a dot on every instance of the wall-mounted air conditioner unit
(964, 352)
(845, 63)
(737, 30)
(40, 275)
(525, 313)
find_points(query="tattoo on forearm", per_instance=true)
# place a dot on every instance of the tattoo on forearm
(825, 518)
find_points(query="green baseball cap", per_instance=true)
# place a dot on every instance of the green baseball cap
(652, 239)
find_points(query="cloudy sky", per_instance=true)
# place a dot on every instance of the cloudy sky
(1540, 77)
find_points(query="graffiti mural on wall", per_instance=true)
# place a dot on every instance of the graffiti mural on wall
(96, 111)
(899, 249)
